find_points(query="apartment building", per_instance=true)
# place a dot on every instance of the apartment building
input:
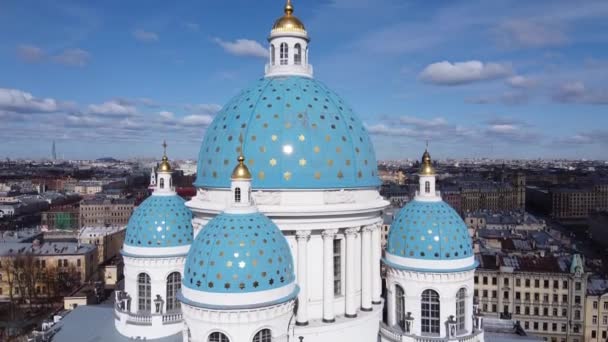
(105, 212)
(546, 295)
(107, 239)
(44, 269)
(596, 311)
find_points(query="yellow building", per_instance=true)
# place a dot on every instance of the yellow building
(34, 270)
(596, 311)
(546, 295)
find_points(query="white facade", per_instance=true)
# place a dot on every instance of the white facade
(313, 221)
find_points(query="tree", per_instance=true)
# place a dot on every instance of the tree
(7, 267)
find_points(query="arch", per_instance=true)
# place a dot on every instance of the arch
(170, 182)
(174, 284)
(297, 57)
(461, 309)
(217, 336)
(162, 183)
(429, 313)
(272, 54)
(400, 306)
(427, 187)
(144, 293)
(264, 335)
(237, 195)
(283, 54)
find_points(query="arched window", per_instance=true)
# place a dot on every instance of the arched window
(218, 337)
(174, 283)
(284, 51)
(427, 187)
(272, 56)
(460, 309)
(170, 182)
(162, 183)
(263, 335)
(297, 57)
(144, 293)
(400, 306)
(429, 316)
(237, 195)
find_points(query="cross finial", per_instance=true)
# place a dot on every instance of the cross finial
(164, 147)
(241, 142)
(427, 144)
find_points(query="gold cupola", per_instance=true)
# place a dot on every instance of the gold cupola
(241, 172)
(164, 165)
(288, 22)
(426, 167)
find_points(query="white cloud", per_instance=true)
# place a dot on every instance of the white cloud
(203, 108)
(73, 57)
(197, 120)
(113, 108)
(14, 100)
(243, 47)
(30, 53)
(423, 123)
(446, 73)
(192, 26)
(527, 33)
(519, 81)
(166, 116)
(577, 92)
(145, 36)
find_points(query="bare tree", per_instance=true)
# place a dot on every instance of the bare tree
(7, 266)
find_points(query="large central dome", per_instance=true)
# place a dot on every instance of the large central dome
(295, 134)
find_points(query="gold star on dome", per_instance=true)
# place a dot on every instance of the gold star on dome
(301, 137)
(261, 175)
(287, 175)
(317, 149)
(340, 174)
(318, 175)
(302, 162)
(273, 162)
(274, 137)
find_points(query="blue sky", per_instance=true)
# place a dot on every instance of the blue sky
(501, 78)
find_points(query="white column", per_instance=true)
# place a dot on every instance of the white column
(376, 255)
(351, 305)
(391, 301)
(366, 269)
(302, 237)
(328, 275)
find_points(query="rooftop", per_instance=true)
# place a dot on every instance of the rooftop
(45, 249)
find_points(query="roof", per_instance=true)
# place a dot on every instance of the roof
(45, 249)
(237, 253)
(95, 324)
(160, 221)
(535, 264)
(429, 230)
(597, 286)
(296, 134)
(104, 200)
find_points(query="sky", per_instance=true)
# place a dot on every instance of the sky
(498, 79)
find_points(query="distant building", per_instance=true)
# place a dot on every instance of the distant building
(108, 240)
(598, 227)
(545, 294)
(105, 212)
(568, 203)
(64, 220)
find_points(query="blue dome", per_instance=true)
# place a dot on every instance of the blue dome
(237, 253)
(297, 134)
(160, 221)
(430, 231)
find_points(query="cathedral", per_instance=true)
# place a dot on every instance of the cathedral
(282, 241)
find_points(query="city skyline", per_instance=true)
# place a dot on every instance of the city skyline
(477, 79)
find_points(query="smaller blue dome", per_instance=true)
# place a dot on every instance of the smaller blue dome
(429, 231)
(239, 253)
(160, 221)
